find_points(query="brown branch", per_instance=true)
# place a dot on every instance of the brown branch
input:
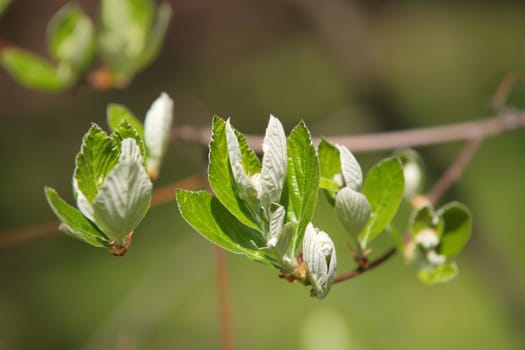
(365, 267)
(504, 121)
(455, 170)
(14, 237)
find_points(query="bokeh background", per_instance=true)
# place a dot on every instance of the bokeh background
(345, 67)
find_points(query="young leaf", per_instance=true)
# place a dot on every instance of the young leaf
(220, 175)
(117, 113)
(125, 195)
(125, 130)
(250, 162)
(213, 221)
(439, 274)
(383, 188)
(71, 37)
(320, 260)
(302, 180)
(273, 173)
(457, 228)
(73, 222)
(98, 155)
(350, 168)
(157, 130)
(31, 70)
(330, 169)
(353, 210)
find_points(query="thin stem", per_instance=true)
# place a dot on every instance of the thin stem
(362, 269)
(504, 121)
(14, 237)
(224, 300)
(455, 170)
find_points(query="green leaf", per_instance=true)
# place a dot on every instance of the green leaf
(383, 188)
(30, 70)
(213, 221)
(125, 29)
(250, 162)
(117, 113)
(124, 197)
(353, 210)
(74, 223)
(330, 169)
(220, 175)
(302, 180)
(71, 37)
(98, 155)
(156, 36)
(125, 130)
(457, 228)
(439, 274)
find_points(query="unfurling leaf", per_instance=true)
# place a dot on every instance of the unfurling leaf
(124, 197)
(320, 259)
(353, 210)
(157, 130)
(274, 164)
(350, 168)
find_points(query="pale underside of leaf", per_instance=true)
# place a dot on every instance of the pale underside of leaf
(350, 168)
(123, 200)
(275, 162)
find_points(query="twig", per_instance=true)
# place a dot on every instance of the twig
(503, 91)
(364, 268)
(455, 170)
(224, 300)
(14, 237)
(502, 122)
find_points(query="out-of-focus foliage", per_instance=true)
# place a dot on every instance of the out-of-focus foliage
(130, 38)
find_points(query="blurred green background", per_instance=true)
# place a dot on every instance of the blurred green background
(345, 67)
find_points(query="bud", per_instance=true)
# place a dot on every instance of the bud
(353, 210)
(427, 238)
(320, 259)
(157, 127)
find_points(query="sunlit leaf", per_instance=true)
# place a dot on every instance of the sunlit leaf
(353, 210)
(124, 197)
(383, 188)
(302, 180)
(98, 155)
(221, 178)
(274, 164)
(213, 221)
(74, 223)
